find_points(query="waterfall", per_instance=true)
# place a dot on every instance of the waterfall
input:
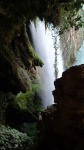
(59, 64)
(80, 56)
(44, 46)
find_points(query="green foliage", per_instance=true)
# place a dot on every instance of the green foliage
(71, 17)
(32, 57)
(25, 101)
(13, 139)
(34, 60)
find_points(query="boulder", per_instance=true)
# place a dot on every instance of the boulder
(63, 123)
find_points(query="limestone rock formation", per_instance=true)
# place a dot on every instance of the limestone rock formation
(63, 123)
(71, 42)
(17, 60)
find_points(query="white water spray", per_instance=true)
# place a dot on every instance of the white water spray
(80, 56)
(60, 63)
(44, 46)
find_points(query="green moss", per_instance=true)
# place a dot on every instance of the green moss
(33, 57)
(25, 101)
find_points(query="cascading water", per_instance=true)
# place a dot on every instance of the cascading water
(59, 64)
(80, 56)
(44, 45)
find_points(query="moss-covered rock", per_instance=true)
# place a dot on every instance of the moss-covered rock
(24, 108)
(25, 101)
(17, 58)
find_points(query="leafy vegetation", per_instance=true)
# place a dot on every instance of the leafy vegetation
(33, 58)
(71, 16)
(13, 139)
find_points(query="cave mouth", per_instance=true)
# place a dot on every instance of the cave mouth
(46, 42)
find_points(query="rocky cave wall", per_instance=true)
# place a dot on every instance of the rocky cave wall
(18, 59)
(18, 62)
(62, 124)
(18, 82)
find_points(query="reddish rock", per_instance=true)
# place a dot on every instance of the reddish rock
(69, 95)
(70, 89)
(63, 123)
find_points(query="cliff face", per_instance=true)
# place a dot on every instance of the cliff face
(18, 60)
(17, 56)
(71, 42)
(69, 92)
(63, 123)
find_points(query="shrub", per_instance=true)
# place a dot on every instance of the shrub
(13, 139)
